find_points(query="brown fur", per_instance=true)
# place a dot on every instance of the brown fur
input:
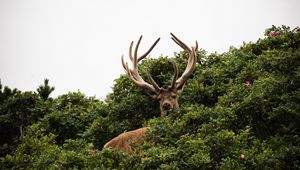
(127, 142)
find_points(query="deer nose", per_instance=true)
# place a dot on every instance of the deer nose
(167, 106)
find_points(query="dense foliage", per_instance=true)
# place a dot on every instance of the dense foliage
(239, 110)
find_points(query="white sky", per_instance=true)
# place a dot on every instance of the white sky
(78, 44)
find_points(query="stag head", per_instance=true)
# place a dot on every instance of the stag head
(167, 97)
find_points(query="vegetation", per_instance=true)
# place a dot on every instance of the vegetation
(239, 110)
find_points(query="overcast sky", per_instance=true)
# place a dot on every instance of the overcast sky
(78, 44)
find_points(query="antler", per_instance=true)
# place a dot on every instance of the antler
(133, 73)
(178, 83)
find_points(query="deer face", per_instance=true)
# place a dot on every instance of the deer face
(167, 101)
(167, 97)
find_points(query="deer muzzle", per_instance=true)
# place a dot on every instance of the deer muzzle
(167, 107)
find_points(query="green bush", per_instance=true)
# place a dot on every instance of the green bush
(71, 115)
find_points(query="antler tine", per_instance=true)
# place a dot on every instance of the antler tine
(123, 62)
(152, 81)
(196, 48)
(130, 51)
(135, 60)
(147, 52)
(180, 43)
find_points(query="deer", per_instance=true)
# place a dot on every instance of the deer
(131, 141)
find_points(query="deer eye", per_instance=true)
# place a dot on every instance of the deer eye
(174, 96)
